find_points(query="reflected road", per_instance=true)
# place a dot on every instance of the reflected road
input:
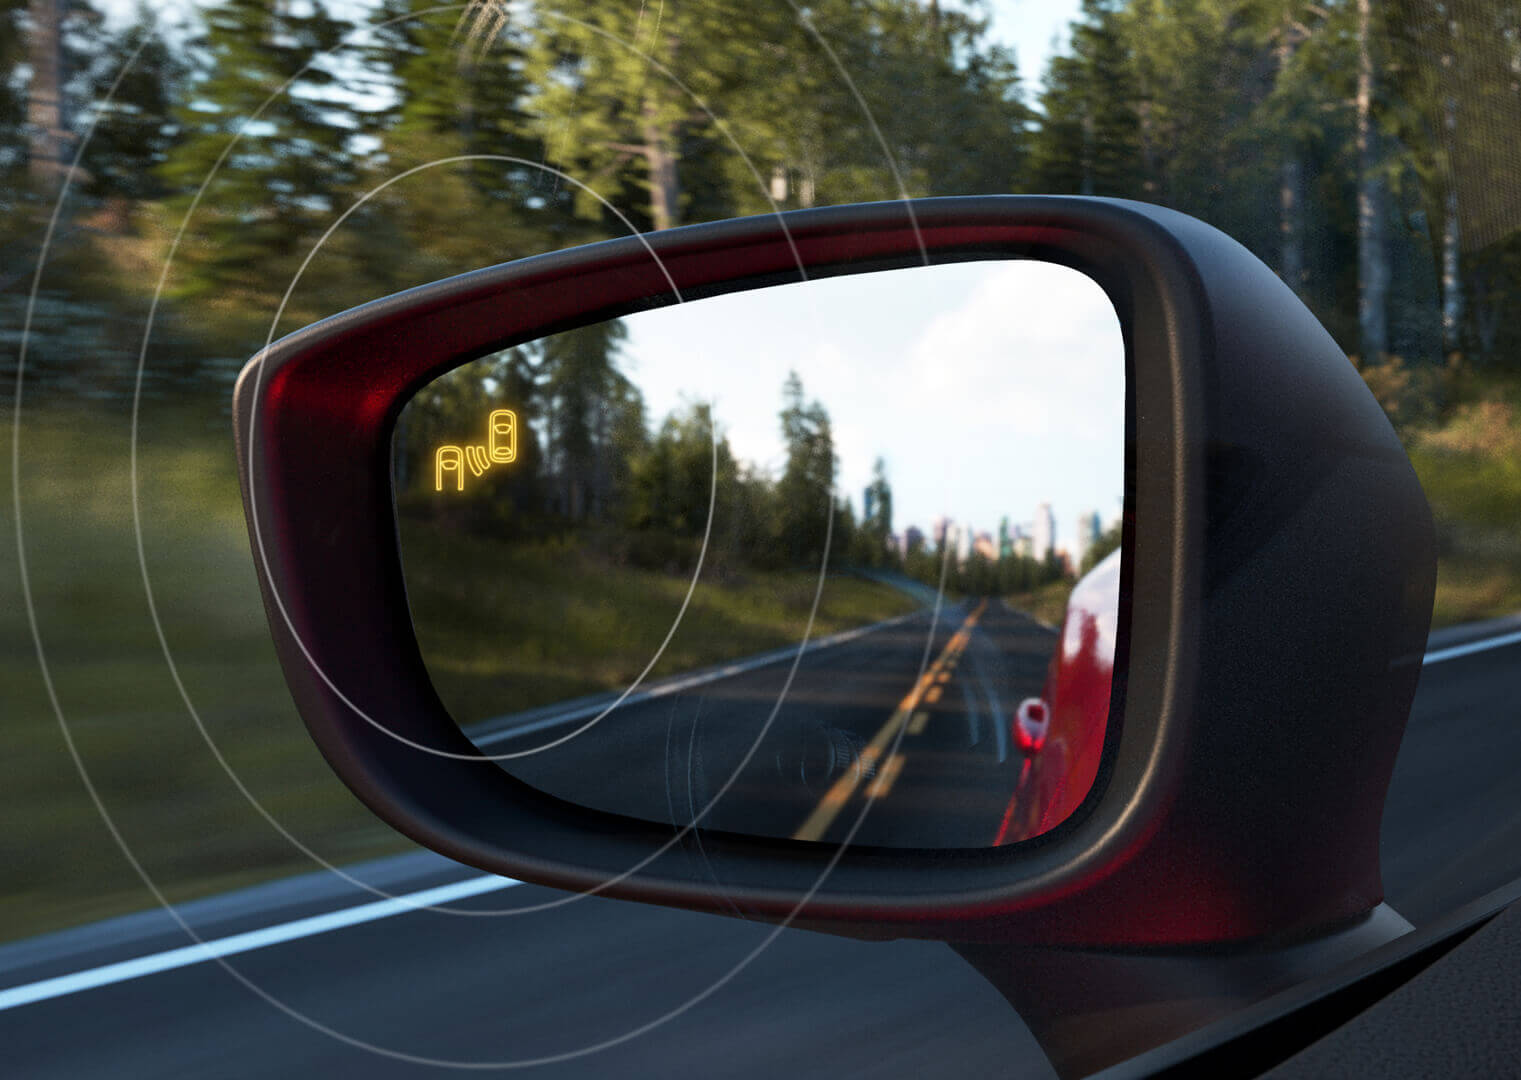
(912, 728)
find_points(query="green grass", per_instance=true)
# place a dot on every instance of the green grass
(1470, 468)
(1047, 603)
(155, 774)
(180, 813)
(506, 627)
(1467, 591)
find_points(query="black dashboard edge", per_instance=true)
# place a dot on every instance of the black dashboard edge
(1268, 1033)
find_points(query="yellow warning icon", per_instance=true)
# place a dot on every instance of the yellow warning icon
(502, 436)
(449, 459)
(501, 448)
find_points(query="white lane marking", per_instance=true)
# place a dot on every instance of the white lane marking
(184, 956)
(995, 706)
(969, 706)
(760, 660)
(1436, 656)
(187, 955)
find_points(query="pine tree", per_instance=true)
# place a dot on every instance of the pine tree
(290, 172)
(1372, 253)
(441, 103)
(47, 102)
(137, 131)
(593, 415)
(1089, 142)
(13, 141)
(947, 104)
(606, 111)
(805, 492)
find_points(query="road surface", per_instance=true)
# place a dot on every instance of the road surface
(909, 726)
(808, 1006)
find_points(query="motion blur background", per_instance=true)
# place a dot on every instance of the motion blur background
(1364, 151)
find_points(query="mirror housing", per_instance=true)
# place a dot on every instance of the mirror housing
(1275, 595)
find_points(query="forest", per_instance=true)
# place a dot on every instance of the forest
(1364, 151)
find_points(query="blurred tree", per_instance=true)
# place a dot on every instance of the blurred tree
(1296, 121)
(12, 93)
(1452, 90)
(610, 116)
(945, 102)
(289, 172)
(1372, 255)
(137, 131)
(674, 481)
(921, 561)
(925, 84)
(876, 526)
(1202, 70)
(594, 419)
(1107, 542)
(1288, 35)
(1089, 141)
(845, 540)
(442, 104)
(48, 117)
(805, 492)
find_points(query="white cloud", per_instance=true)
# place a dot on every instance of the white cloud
(988, 387)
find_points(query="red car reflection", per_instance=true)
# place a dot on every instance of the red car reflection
(1060, 734)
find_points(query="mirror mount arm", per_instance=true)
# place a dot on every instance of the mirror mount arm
(1093, 1008)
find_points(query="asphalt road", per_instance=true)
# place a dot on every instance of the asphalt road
(912, 723)
(494, 989)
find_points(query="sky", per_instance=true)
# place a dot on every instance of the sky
(987, 387)
(1031, 27)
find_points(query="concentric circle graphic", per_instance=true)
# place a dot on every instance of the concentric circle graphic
(498, 15)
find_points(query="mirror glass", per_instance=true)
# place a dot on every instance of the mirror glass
(828, 560)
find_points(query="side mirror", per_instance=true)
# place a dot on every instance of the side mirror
(1032, 723)
(1272, 594)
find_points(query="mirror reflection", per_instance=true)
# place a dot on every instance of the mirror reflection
(835, 559)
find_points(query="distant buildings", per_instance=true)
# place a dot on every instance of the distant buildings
(1045, 531)
(1036, 540)
(1089, 528)
(940, 530)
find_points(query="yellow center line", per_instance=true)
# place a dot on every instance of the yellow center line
(879, 787)
(839, 793)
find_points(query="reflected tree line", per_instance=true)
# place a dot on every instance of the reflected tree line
(592, 467)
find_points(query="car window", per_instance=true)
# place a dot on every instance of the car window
(184, 183)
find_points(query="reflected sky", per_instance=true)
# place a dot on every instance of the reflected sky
(988, 387)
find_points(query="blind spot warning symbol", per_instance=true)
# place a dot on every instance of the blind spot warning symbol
(501, 448)
(449, 459)
(502, 436)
